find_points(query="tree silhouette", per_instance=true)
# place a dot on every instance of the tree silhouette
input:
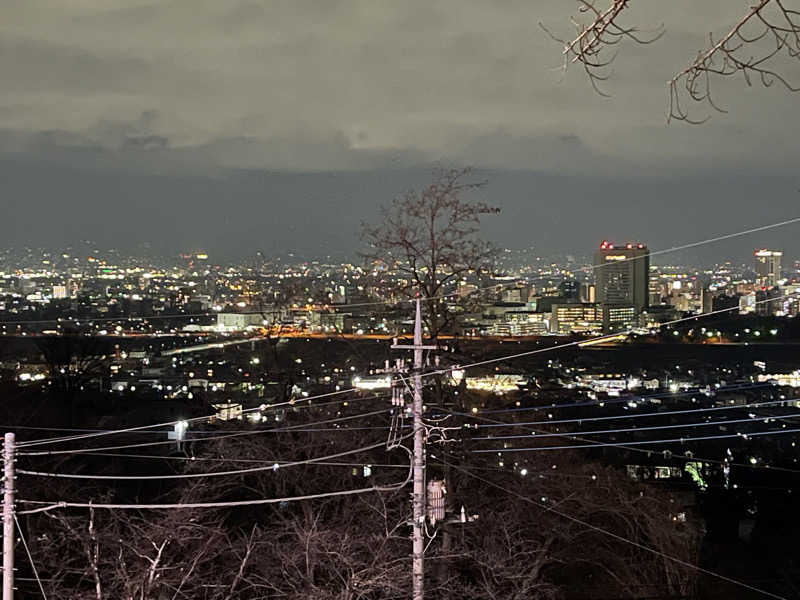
(428, 240)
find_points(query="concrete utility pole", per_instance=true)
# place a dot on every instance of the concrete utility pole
(418, 497)
(8, 517)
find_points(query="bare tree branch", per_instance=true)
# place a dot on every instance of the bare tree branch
(767, 31)
(595, 39)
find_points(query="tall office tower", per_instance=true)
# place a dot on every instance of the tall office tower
(622, 274)
(654, 290)
(768, 267)
(622, 278)
(706, 301)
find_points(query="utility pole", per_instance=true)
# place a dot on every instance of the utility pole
(418, 496)
(8, 517)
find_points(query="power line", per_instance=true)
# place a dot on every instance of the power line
(663, 413)
(589, 268)
(544, 474)
(638, 429)
(558, 474)
(726, 237)
(294, 407)
(273, 467)
(681, 440)
(48, 506)
(595, 443)
(239, 460)
(205, 439)
(594, 339)
(631, 429)
(198, 432)
(123, 446)
(624, 399)
(262, 407)
(183, 506)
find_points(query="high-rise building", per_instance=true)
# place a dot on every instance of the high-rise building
(706, 301)
(570, 289)
(622, 274)
(655, 289)
(768, 267)
(622, 277)
(767, 302)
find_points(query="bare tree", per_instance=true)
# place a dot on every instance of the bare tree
(73, 360)
(356, 547)
(342, 548)
(428, 241)
(767, 31)
(523, 545)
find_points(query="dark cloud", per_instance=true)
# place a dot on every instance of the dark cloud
(146, 142)
(232, 213)
(52, 66)
(238, 124)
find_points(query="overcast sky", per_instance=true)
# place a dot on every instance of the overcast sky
(235, 126)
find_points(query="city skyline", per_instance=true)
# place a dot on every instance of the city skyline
(84, 252)
(433, 300)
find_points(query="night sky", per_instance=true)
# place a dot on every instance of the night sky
(241, 126)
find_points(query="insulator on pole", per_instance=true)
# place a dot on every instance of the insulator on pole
(397, 398)
(436, 505)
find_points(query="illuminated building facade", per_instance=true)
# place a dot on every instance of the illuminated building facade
(619, 318)
(622, 281)
(576, 318)
(706, 301)
(768, 267)
(239, 321)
